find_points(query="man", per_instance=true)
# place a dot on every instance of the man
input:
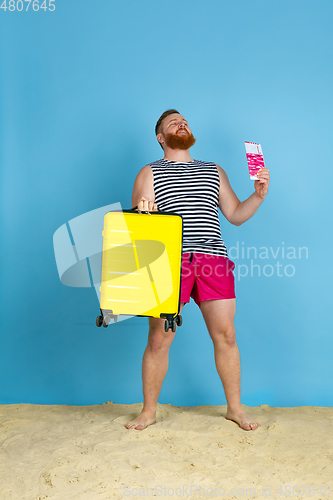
(194, 189)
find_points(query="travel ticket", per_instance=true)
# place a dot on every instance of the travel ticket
(255, 158)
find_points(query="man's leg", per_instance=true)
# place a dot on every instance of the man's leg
(219, 317)
(154, 368)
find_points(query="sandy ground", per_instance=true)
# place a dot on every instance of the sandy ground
(72, 452)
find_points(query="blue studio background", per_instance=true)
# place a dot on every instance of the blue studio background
(81, 90)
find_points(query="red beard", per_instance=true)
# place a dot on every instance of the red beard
(175, 141)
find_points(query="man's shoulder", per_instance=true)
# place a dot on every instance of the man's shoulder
(145, 172)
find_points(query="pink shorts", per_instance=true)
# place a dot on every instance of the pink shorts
(207, 277)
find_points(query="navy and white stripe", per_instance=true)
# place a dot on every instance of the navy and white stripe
(191, 189)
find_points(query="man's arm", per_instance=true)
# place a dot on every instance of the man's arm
(143, 194)
(234, 210)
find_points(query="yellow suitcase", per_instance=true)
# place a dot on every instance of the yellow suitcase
(141, 266)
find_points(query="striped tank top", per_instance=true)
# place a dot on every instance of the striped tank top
(191, 189)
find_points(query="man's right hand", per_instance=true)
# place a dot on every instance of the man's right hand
(145, 205)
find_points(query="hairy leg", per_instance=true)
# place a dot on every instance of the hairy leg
(219, 318)
(154, 369)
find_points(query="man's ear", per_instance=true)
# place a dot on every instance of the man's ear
(159, 137)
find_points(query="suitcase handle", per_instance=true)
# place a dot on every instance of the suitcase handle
(140, 212)
(134, 209)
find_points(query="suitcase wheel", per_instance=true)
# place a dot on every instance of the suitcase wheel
(172, 324)
(106, 321)
(179, 320)
(99, 321)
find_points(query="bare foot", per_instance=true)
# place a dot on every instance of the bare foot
(141, 422)
(242, 419)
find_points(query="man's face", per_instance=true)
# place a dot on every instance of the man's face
(176, 132)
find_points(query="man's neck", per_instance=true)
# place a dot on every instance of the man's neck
(180, 155)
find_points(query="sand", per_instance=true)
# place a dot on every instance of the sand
(72, 452)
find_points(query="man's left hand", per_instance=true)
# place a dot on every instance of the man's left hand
(261, 185)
